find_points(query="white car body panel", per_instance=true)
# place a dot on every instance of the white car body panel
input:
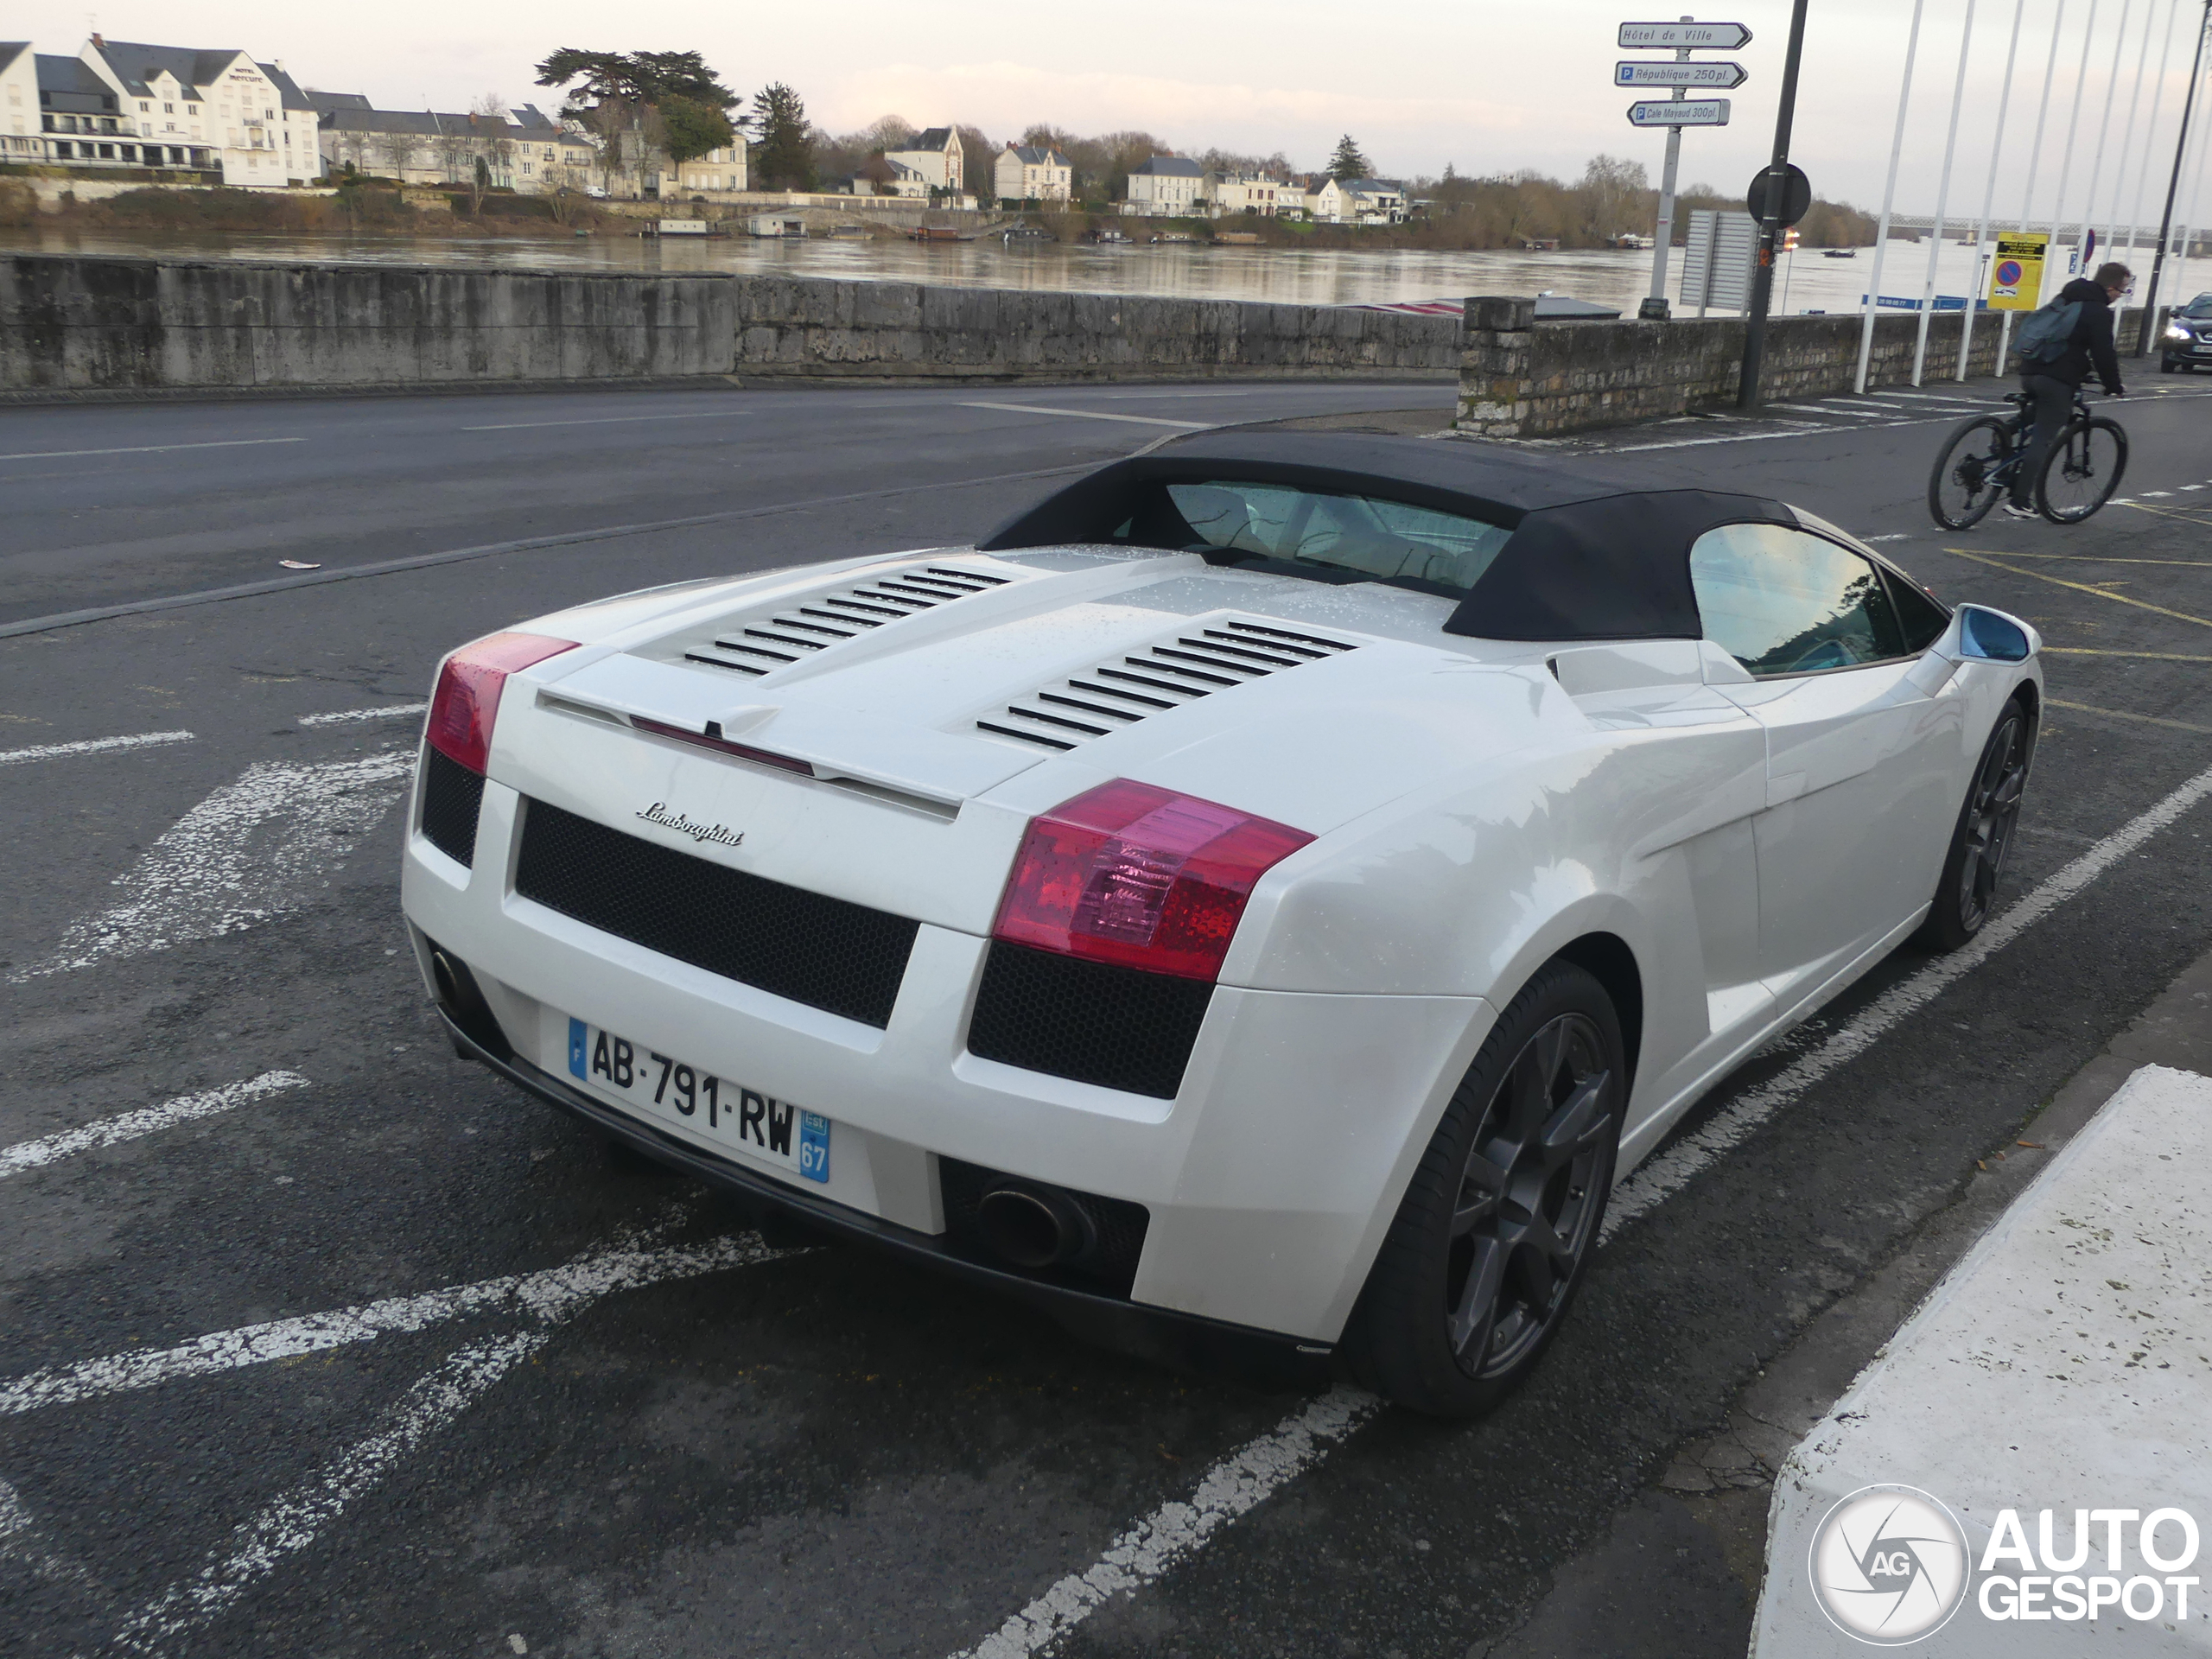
(1477, 807)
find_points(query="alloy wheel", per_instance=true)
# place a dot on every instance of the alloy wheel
(1528, 1196)
(1991, 814)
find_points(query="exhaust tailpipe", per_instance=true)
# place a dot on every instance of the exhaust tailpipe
(1035, 1226)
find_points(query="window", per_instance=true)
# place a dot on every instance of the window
(1781, 601)
(145, 109)
(169, 109)
(1306, 532)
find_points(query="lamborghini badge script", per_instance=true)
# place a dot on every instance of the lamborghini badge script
(719, 833)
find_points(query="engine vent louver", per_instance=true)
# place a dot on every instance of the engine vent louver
(1195, 663)
(763, 645)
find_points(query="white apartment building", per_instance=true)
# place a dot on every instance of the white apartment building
(521, 149)
(1357, 202)
(935, 157)
(218, 110)
(1233, 193)
(1167, 187)
(1033, 173)
(718, 173)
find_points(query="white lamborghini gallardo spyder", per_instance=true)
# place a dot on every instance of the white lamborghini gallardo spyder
(1253, 905)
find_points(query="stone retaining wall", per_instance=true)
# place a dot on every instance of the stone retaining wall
(81, 323)
(1520, 380)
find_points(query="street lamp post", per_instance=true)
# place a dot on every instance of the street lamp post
(2166, 223)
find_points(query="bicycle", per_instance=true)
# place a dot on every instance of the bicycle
(1977, 466)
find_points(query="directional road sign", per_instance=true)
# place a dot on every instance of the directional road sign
(1690, 112)
(1723, 75)
(1725, 36)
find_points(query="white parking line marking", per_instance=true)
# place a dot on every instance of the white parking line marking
(92, 746)
(250, 852)
(1668, 1172)
(1826, 409)
(345, 716)
(146, 448)
(1093, 415)
(293, 1521)
(1144, 1551)
(609, 419)
(551, 1294)
(1862, 403)
(129, 1126)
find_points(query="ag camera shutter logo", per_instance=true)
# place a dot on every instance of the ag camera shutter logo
(1889, 1565)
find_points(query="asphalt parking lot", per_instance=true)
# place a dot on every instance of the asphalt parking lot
(315, 1340)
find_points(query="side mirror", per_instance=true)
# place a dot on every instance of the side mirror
(1990, 636)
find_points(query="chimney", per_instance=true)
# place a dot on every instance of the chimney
(97, 42)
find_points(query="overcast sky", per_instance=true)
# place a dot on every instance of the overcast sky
(1486, 85)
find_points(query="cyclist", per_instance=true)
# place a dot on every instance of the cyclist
(2052, 384)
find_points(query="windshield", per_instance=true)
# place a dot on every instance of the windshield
(2199, 306)
(1328, 534)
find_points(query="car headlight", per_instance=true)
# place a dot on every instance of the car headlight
(2175, 331)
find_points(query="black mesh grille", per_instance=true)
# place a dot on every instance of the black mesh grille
(1092, 1021)
(451, 797)
(1117, 1227)
(828, 953)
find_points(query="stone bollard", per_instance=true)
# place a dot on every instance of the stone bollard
(1494, 366)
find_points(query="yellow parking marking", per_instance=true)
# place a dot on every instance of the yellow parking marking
(2121, 713)
(2079, 586)
(2090, 650)
(2100, 558)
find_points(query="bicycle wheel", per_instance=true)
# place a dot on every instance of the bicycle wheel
(2083, 470)
(1964, 485)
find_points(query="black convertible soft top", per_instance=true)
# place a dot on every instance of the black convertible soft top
(1589, 557)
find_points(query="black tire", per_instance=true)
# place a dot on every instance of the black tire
(1498, 1224)
(2083, 470)
(1981, 843)
(1960, 494)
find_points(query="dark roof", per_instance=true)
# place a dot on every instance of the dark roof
(136, 63)
(338, 100)
(529, 123)
(1037, 155)
(10, 50)
(935, 138)
(1178, 167)
(1591, 556)
(71, 86)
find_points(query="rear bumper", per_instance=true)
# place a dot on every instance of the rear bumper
(1264, 1358)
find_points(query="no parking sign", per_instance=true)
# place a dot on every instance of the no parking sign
(2016, 275)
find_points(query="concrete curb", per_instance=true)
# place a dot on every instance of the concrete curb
(2060, 1366)
(1710, 1509)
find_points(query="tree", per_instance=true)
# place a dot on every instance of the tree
(694, 128)
(633, 77)
(1348, 163)
(1613, 192)
(783, 158)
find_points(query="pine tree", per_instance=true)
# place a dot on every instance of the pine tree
(1348, 163)
(782, 156)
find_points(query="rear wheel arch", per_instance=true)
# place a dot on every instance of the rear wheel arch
(1608, 958)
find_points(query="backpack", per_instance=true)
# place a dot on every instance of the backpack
(2045, 337)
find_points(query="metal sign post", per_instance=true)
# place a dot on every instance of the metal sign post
(1684, 37)
(1771, 206)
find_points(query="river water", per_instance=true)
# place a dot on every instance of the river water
(1806, 281)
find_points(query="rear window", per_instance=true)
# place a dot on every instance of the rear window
(1331, 536)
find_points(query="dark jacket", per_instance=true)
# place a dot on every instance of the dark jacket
(2091, 342)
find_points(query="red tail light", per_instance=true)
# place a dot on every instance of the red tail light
(1141, 877)
(467, 698)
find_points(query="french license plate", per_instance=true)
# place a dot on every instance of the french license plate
(657, 1085)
